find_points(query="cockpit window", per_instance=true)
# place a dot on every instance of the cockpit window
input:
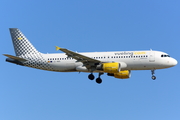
(165, 56)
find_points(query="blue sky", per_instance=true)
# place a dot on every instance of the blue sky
(96, 25)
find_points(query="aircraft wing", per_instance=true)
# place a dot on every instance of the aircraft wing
(79, 57)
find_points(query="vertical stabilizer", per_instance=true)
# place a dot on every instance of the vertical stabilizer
(21, 44)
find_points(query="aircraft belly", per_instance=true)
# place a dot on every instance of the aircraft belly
(63, 67)
(143, 65)
(138, 64)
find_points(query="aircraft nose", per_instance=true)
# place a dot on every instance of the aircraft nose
(174, 62)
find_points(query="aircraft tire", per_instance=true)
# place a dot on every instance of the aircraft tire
(153, 77)
(99, 80)
(91, 76)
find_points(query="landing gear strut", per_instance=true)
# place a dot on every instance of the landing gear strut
(152, 72)
(99, 80)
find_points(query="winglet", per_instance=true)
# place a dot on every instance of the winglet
(58, 48)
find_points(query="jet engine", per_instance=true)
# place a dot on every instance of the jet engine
(109, 67)
(121, 75)
(114, 67)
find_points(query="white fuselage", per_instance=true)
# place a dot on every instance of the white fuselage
(132, 60)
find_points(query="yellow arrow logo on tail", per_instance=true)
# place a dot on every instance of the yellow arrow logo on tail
(19, 38)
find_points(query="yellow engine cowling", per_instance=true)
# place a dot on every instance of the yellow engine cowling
(122, 74)
(111, 67)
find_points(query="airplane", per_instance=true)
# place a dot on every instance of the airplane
(118, 64)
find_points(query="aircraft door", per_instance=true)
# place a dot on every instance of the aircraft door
(152, 56)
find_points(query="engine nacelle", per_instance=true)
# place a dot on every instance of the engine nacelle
(122, 74)
(111, 67)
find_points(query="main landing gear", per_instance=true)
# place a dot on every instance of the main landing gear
(98, 80)
(91, 76)
(152, 72)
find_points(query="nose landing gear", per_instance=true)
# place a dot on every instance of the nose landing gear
(153, 77)
(152, 72)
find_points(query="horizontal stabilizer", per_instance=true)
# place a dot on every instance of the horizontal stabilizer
(15, 58)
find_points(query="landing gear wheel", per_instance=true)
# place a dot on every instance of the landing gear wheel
(99, 80)
(91, 76)
(153, 77)
(152, 72)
